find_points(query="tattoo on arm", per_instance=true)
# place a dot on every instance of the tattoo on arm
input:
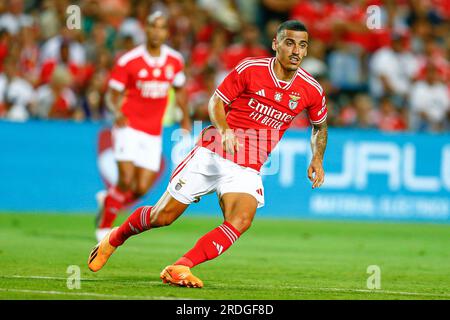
(319, 139)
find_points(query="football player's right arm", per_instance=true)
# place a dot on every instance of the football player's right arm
(217, 115)
(231, 87)
(114, 103)
(319, 139)
(317, 114)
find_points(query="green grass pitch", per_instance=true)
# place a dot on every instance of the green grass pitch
(275, 259)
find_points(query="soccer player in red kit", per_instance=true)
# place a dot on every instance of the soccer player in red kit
(250, 111)
(138, 94)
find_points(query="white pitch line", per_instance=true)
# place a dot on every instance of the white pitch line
(336, 289)
(42, 277)
(89, 294)
(375, 291)
(64, 279)
(247, 286)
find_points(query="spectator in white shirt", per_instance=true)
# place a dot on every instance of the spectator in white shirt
(15, 19)
(55, 100)
(429, 102)
(52, 47)
(391, 70)
(16, 93)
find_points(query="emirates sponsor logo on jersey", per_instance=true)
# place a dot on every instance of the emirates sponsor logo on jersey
(268, 115)
(153, 89)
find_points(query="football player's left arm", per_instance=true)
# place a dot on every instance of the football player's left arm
(319, 139)
(181, 101)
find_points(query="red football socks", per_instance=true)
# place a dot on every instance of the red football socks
(115, 200)
(211, 245)
(137, 222)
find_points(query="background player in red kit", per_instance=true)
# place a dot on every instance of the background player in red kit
(138, 95)
(250, 112)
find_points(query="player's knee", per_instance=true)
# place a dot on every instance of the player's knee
(125, 183)
(140, 191)
(242, 224)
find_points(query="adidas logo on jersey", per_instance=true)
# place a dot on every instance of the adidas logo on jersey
(261, 93)
(143, 73)
(218, 247)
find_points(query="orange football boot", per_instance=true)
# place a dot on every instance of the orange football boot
(181, 276)
(101, 253)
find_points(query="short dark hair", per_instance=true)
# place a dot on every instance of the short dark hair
(294, 25)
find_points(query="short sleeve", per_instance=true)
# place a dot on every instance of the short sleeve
(119, 77)
(179, 79)
(317, 111)
(232, 86)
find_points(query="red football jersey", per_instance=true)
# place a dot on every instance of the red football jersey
(146, 81)
(261, 107)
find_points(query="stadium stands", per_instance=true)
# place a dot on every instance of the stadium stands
(363, 69)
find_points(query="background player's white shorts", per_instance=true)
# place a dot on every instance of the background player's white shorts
(204, 171)
(141, 148)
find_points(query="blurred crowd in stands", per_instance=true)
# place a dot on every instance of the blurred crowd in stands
(394, 77)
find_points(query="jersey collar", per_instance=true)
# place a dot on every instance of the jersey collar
(279, 83)
(155, 61)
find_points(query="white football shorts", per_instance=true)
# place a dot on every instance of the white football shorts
(141, 148)
(203, 172)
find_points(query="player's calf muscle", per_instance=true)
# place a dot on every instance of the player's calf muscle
(162, 218)
(239, 210)
(166, 211)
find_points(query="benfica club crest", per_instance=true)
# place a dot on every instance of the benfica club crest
(293, 102)
(179, 185)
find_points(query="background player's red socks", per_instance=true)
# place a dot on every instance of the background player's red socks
(137, 222)
(210, 245)
(115, 200)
